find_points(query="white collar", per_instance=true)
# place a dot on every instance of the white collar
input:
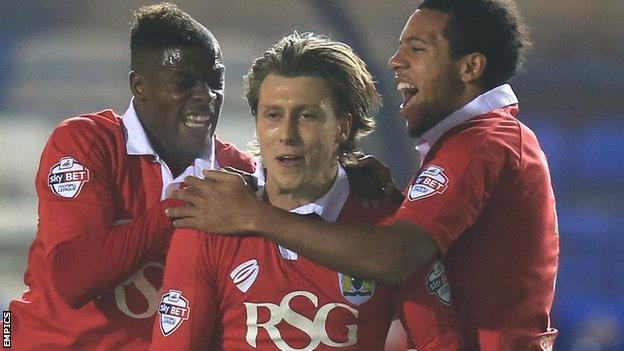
(493, 99)
(137, 142)
(327, 206)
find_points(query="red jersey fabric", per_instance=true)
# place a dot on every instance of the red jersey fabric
(241, 293)
(95, 266)
(484, 194)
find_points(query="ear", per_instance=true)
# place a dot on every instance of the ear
(344, 128)
(472, 67)
(136, 84)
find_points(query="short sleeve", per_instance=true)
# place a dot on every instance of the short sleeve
(450, 191)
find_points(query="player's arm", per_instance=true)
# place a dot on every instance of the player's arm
(384, 253)
(424, 303)
(188, 309)
(87, 251)
(99, 258)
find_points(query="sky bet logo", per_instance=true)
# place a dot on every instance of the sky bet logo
(174, 309)
(67, 177)
(6, 329)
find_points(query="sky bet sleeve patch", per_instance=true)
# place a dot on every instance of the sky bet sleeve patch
(429, 182)
(67, 177)
(174, 309)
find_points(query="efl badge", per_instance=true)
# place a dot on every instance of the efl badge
(437, 283)
(430, 182)
(174, 309)
(355, 290)
(67, 177)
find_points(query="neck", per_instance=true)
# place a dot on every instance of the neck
(470, 92)
(176, 165)
(289, 198)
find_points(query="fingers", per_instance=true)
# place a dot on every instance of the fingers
(236, 171)
(196, 182)
(181, 212)
(393, 193)
(186, 223)
(248, 178)
(190, 195)
(220, 176)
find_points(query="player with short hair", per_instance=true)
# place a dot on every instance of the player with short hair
(312, 99)
(483, 196)
(95, 267)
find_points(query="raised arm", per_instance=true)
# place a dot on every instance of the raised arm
(222, 204)
(88, 248)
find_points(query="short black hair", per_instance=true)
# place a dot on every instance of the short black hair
(164, 25)
(490, 27)
(309, 54)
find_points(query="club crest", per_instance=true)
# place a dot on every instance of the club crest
(245, 275)
(437, 283)
(431, 181)
(67, 177)
(355, 290)
(174, 309)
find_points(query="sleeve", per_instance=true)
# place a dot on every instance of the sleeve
(449, 193)
(228, 155)
(187, 316)
(424, 305)
(87, 253)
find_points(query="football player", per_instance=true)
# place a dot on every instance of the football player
(312, 99)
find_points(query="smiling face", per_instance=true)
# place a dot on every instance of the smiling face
(178, 97)
(299, 134)
(426, 75)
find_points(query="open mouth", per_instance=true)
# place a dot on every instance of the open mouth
(408, 92)
(289, 160)
(197, 121)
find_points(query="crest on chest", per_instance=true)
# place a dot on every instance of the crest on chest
(355, 290)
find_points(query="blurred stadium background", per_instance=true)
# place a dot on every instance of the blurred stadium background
(66, 57)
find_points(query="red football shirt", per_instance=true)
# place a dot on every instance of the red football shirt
(95, 267)
(240, 293)
(484, 194)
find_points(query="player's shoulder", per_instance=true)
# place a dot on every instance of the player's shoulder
(228, 155)
(105, 122)
(382, 211)
(191, 239)
(497, 134)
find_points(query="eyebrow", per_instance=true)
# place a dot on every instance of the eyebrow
(297, 108)
(271, 107)
(413, 38)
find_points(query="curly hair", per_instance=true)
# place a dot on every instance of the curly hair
(490, 27)
(164, 25)
(308, 54)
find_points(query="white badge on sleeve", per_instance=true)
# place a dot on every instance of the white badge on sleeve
(67, 177)
(429, 182)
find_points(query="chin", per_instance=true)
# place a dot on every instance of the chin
(285, 186)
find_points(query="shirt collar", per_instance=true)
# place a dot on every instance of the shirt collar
(493, 99)
(137, 142)
(327, 206)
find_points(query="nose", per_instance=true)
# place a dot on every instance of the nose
(396, 62)
(289, 130)
(203, 92)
